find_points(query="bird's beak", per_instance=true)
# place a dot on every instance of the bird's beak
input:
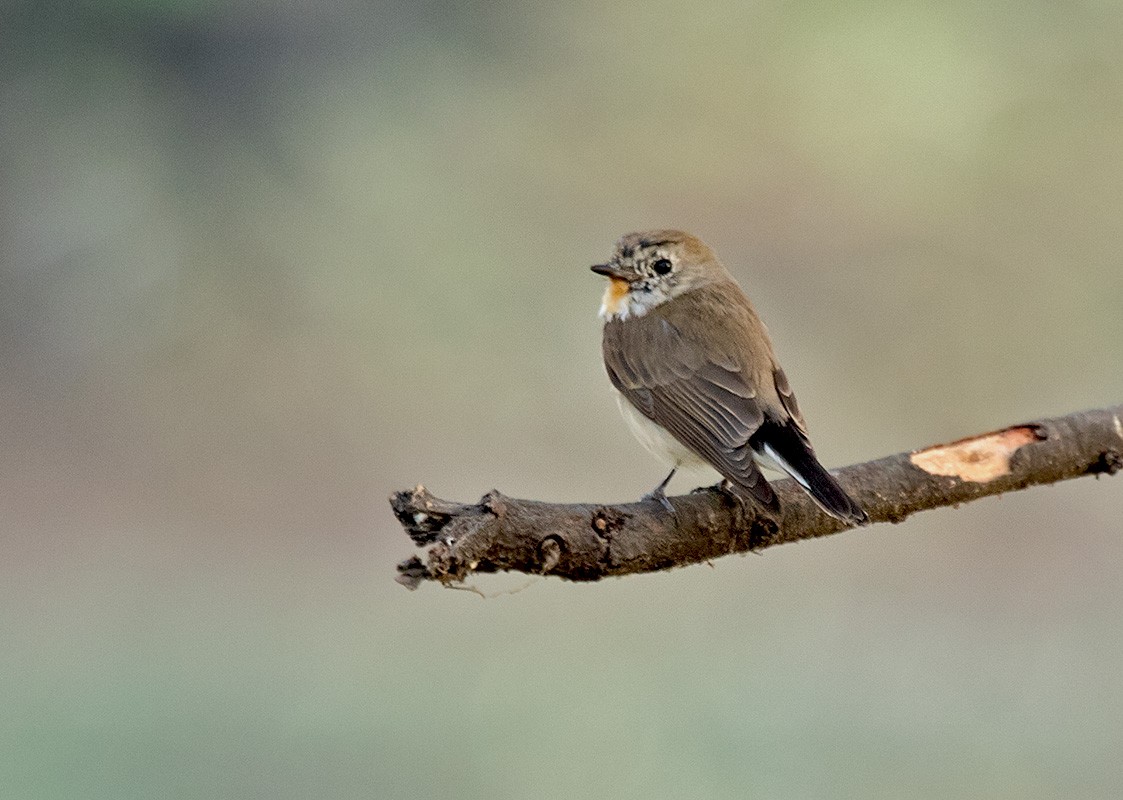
(614, 271)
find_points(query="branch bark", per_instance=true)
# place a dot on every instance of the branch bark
(586, 541)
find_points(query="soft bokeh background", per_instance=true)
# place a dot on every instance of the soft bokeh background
(260, 265)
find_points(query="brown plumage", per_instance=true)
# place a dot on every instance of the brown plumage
(686, 350)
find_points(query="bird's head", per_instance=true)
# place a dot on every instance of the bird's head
(650, 268)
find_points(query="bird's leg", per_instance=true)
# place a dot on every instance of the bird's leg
(659, 493)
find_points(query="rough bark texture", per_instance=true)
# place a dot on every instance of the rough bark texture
(586, 542)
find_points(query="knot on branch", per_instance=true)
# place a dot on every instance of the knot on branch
(550, 552)
(607, 519)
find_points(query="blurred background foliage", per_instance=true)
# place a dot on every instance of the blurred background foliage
(262, 264)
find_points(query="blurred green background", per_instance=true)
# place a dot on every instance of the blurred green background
(262, 264)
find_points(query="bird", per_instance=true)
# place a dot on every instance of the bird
(696, 376)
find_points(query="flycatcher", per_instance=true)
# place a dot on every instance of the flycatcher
(697, 379)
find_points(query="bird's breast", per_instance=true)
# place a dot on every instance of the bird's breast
(615, 298)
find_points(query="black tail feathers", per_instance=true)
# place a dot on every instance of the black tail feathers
(787, 449)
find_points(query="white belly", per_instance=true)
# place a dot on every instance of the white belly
(668, 449)
(656, 438)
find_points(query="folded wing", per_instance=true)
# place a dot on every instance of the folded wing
(706, 401)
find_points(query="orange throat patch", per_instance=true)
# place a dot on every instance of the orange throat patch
(614, 295)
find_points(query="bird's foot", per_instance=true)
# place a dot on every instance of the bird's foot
(659, 493)
(660, 496)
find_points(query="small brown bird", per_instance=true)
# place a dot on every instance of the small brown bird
(697, 379)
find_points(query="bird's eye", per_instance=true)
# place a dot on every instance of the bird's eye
(661, 267)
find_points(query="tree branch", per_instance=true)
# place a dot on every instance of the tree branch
(586, 542)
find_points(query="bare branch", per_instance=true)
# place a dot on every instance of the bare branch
(586, 542)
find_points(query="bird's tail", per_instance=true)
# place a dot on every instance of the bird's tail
(786, 449)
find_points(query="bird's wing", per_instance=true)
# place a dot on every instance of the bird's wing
(707, 402)
(787, 398)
